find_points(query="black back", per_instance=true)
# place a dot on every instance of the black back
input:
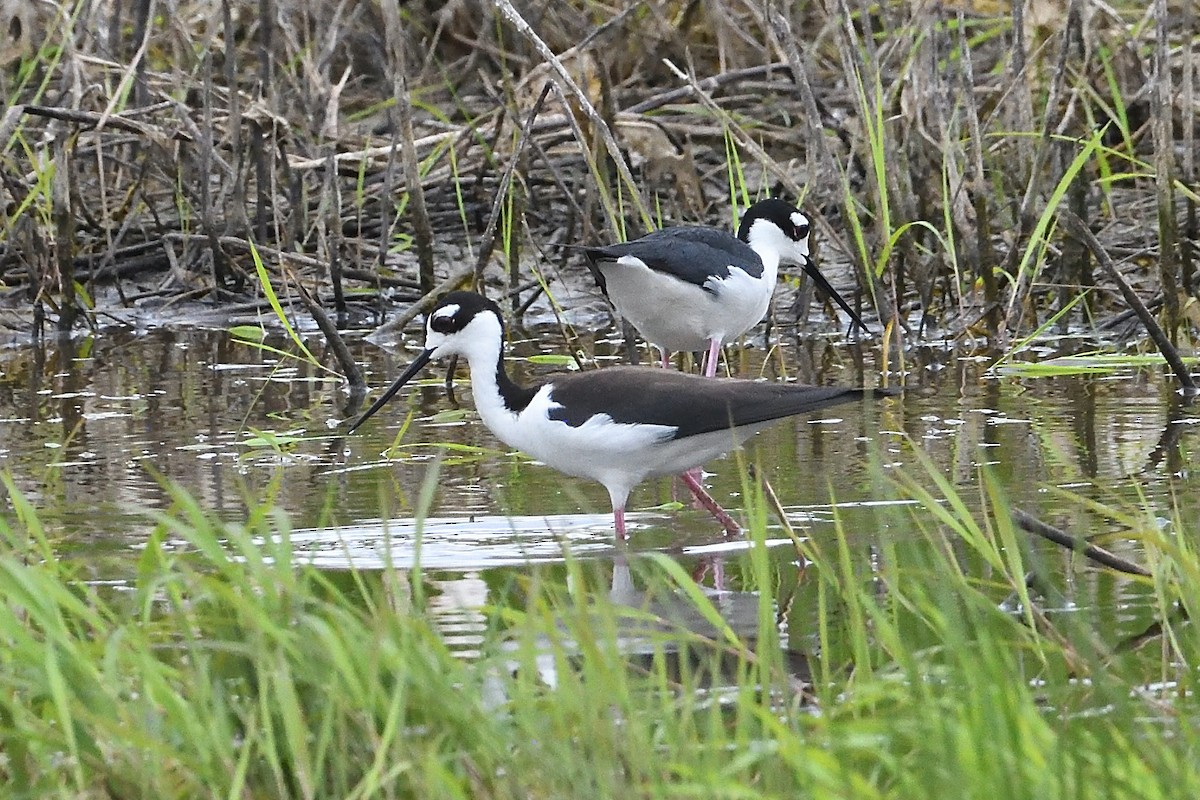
(695, 253)
(690, 253)
(690, 403)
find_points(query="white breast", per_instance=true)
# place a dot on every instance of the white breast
(618, 455)
(680, 316)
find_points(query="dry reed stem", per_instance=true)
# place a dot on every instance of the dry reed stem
(1078, 229)
(1190, 117)
(90, 119)
(64, 234)
(1162, 115)
(350, 369)
(739, 133)
(207, 146)
(1040, 160)
(329, 233)
(567, 84)
(149, 166)
(456, 279)
(487, 243)
(422, 230)
(975, 229)
(785, 40)
(353, 158)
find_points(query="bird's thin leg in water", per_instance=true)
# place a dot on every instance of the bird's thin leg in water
(449, 384)
(706, 500)
(697, 474)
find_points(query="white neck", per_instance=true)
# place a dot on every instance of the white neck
(481, 343)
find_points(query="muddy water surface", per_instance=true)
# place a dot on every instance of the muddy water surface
(92, 428)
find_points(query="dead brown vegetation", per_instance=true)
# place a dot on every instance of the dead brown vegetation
(365, 149)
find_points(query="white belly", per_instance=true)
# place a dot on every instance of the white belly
(618, 455)
(676, 315)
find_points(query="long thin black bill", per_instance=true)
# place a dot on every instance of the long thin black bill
(404, 378)
(819, 279)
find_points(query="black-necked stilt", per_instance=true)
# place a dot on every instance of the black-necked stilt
(695, 288)
(618, 425)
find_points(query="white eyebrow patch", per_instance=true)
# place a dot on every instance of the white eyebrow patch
(799, 219)
(446, 311)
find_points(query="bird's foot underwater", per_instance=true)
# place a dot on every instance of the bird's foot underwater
(708, 503)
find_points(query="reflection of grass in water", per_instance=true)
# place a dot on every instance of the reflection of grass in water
(1090, 363)
(227, 668)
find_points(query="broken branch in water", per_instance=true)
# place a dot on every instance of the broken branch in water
(1030, 523)
(1080, 231)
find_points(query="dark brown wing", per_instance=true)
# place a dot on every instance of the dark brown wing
(690, 403)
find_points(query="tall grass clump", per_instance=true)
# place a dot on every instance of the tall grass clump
(227, 667)
(934, 146)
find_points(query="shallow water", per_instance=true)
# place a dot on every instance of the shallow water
(91, 429)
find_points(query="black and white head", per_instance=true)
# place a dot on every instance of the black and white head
(778, 225)
(460, 324)
(463, 323)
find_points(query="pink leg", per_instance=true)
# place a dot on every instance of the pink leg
(619, 522)
(696, 474)
(714, 349)
(717, 566)
(719, 574)
(731, 527)
(666, 358)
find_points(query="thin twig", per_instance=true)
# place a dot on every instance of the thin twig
(422, 230)
(744, 139)
(353, 158)
(92, 119)
(401, 320)
(349, 366)
(1079, 230)
(488, 242)
(707, 85)
(1027, 522)
(566, 82)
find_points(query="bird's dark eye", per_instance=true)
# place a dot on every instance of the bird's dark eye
(442, 324)
(801, 231)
